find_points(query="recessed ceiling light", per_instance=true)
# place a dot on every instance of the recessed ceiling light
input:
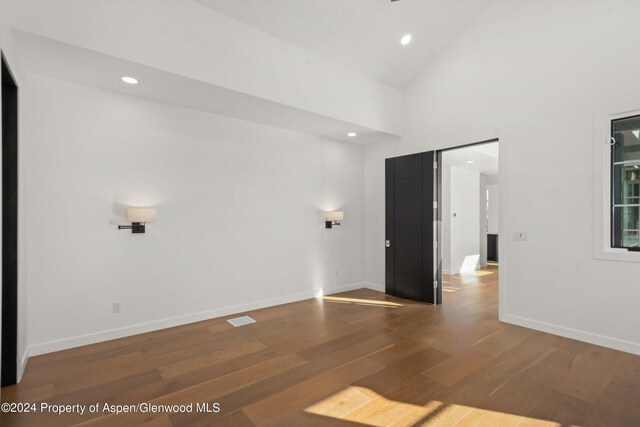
(636, 133)
(130, 80)
(405, 40)
(470, 161)
(352, 134)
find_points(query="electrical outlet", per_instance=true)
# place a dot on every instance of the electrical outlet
(117, 307)
(520, 236)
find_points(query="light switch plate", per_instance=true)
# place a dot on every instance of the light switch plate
(520, 236)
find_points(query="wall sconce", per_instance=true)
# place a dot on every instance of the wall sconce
(333, 218)
(138, 217)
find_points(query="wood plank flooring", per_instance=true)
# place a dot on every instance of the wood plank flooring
(353, 359)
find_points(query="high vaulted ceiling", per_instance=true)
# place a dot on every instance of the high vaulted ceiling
(186, 54)
(363, 35)
(325, 67)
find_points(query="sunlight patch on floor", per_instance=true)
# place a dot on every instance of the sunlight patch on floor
(366, 407)
(361, 301)
(361, 405)
(478, 273)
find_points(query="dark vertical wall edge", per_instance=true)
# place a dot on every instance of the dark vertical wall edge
(9, 226)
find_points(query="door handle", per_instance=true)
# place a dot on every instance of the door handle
(387, 243)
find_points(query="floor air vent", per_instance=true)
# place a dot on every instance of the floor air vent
(240, 321)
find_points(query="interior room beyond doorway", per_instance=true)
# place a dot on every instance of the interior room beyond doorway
(470, 204)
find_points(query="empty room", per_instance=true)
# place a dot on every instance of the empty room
(320, 213)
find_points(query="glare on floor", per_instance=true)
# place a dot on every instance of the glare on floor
(362, 301)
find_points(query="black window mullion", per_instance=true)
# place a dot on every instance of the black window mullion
(625, 183)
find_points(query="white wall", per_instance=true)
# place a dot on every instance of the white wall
(538, 91)
(482, 220)
(239, 214)
(464, 243)
(374, 200)
(493, 211)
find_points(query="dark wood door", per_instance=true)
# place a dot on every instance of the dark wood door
(492, 247)
(409, 246)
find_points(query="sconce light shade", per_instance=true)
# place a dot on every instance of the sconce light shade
(333, 218)
(142, 215)
(138, 217)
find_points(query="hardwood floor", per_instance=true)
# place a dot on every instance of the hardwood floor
(352, 359)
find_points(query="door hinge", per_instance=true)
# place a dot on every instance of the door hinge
(435, 244)
(435, 165)
(435, 284)
(435, 205)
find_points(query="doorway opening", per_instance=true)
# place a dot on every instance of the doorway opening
(469, 217)
(9, 226)
(441, 221)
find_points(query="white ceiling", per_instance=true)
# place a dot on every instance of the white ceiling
(68, 62)
(363, 35)
(484, 157)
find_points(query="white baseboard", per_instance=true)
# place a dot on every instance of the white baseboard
(80, 340)
(77, 341)
(374, 286)
(604, 341)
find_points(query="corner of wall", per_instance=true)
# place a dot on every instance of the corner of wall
(374, 287)
(23, 364)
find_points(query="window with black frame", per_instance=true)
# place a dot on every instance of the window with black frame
(625, 183)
